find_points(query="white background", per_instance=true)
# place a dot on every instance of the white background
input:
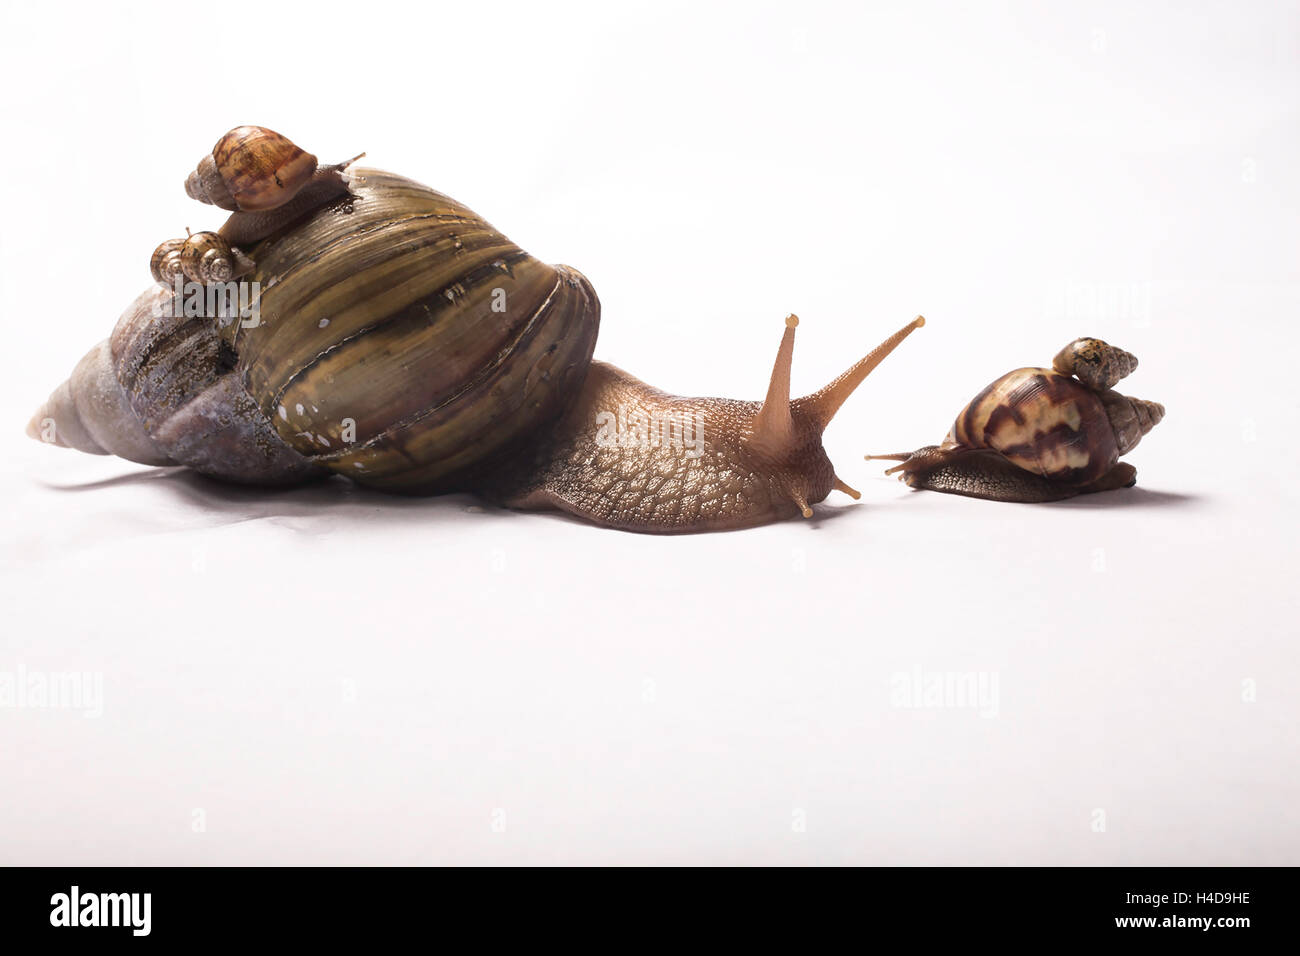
(330, 675)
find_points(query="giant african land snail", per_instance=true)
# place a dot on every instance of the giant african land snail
(405, 343)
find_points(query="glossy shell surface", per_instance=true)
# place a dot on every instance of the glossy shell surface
(403, 341)
(1044, 422)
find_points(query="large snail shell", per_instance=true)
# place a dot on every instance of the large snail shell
(404, 342)
(165, 264)
(1044, 422)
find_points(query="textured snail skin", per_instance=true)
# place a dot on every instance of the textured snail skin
(758, 462)
(379, 353)
(979, 473)
(1039, 434)
(326, 185)
(406, 344)
(658, 488)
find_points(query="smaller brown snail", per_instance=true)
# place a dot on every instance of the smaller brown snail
(1040, 434)
(265, 180)
(249, 169)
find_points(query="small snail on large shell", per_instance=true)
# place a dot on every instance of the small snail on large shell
(267, 182)
(250, 169)
(1040, 434)
(203, 257)
(404, 342)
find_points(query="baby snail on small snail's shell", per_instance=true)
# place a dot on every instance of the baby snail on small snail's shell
(1040, 434)
(404, 342)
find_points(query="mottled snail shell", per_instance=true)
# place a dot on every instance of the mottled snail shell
(165, 264)
(1053, 425)
(1095, 363)
(399, 340)
(250, 169)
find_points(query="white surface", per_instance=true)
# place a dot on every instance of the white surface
(335, 676)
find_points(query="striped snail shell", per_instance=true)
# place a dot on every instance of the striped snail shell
(442, 346)
(251, 169)
(400, 340)
(1053, 425)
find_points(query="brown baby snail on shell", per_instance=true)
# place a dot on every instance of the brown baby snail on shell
(203, 257)
(266, 181)
(1040, 434)
(402, 341)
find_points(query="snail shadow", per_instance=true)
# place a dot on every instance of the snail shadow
(1135, 497)
(300, 507)
(235, 503)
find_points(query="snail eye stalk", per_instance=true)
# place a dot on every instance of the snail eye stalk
(822, 404)
(774, 433)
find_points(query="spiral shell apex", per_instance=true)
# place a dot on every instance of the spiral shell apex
(207, 258)
(1131, 418)
(399, 339)
(165, 264)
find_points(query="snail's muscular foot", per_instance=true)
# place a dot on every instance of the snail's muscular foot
(328, 184)
(982, 473)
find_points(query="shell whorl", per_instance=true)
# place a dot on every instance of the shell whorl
(91, 411)
(1094, 362)
(206, 185)
(397, 338)
(403, 341)
(1042, 421)
(1131, 418)
(165, 264)
(205, 258)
